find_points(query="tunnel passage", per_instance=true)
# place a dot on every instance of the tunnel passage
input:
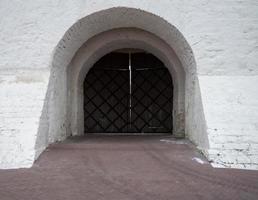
(128, 91)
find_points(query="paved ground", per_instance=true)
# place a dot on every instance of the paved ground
(135, 168)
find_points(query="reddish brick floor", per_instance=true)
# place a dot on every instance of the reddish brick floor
(135, 168)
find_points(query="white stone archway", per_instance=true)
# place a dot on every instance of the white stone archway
(99, 33)
(112, 40)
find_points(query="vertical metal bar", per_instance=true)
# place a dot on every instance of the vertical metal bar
(130, 90)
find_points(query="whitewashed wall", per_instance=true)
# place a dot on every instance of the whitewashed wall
(222, 34)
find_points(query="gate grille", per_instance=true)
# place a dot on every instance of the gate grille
(152, 96)
(106, 101)
(133, 100)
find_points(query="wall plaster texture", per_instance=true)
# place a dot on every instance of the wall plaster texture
(216, 47)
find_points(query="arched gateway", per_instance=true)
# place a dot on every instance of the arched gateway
(96, 53)
(135, 74)
(87, 42)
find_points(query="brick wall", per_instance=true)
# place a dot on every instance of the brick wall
(222, 102)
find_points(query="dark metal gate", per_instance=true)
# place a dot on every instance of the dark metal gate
(135, 99)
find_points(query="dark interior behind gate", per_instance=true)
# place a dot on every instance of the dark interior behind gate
(128, 92)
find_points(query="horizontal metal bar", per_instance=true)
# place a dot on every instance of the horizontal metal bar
(121, 69)
(112, 69)
(142, 69)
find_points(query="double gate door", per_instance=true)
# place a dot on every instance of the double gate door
(133, 100)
